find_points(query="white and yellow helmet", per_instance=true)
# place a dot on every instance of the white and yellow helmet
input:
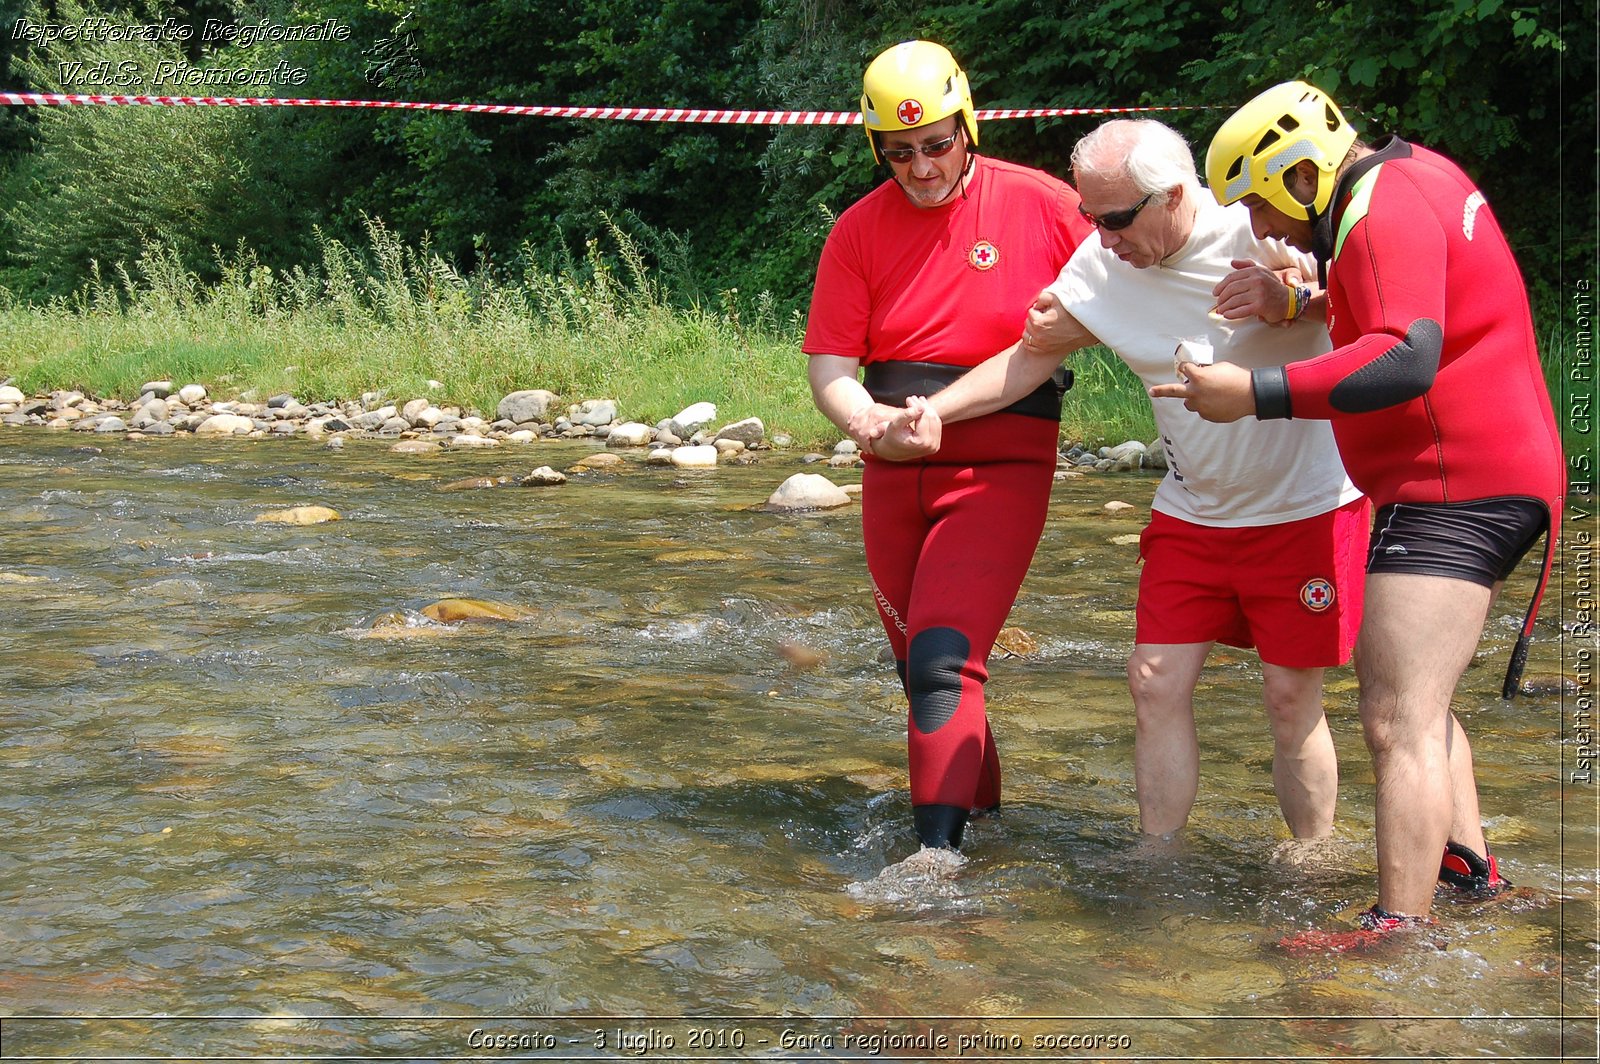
(1268, 136)
(912, 84)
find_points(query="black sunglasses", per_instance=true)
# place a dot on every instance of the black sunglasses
(1111, 221)
(933, 151)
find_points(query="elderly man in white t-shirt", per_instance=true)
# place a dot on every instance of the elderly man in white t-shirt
(1257, 537)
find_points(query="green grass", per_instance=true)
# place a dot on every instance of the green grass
(391, 318)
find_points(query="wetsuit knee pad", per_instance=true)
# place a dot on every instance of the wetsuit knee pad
(934, 662)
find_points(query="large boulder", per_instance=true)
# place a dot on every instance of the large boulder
(694, 457)
(631, 434)
(594, 412)
(690, 418)
(526, 406)
(225, 425)
(749, 432)
(808, 491)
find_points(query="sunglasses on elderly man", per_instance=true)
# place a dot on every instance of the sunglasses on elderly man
(1111, 221)
(933, 151)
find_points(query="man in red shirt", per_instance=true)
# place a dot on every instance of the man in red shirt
(926, 276)
(1440, 410)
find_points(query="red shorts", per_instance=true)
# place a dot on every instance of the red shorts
(1293, 591)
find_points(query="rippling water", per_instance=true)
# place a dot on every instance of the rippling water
(246, 812)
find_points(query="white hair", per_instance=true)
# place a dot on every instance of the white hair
(1152, 154)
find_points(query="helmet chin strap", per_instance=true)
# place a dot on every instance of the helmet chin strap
(1321, 240)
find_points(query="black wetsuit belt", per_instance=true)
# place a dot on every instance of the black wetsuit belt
(892, 382)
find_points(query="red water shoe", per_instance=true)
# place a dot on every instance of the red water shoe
(1377, 927)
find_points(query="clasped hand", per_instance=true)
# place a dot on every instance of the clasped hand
(897, 433)
(1252, 291)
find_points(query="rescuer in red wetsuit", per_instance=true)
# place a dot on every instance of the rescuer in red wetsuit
(923, 278)
(1442, 416)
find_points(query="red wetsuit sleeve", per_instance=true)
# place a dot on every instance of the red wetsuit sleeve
(1388, 305)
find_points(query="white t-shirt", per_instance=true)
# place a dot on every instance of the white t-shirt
(1246, 473)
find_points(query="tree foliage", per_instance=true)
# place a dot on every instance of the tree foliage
(1506, 87)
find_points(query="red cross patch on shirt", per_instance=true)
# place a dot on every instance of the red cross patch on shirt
(983, 256)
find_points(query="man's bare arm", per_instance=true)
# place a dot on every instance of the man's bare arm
(1052, 334)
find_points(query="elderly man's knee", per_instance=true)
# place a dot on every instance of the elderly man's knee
(1156, 687)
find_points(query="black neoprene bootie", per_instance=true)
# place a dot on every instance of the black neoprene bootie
(1462, 869)
(940, 826)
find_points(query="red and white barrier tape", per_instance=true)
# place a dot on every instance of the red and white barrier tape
(628, 114)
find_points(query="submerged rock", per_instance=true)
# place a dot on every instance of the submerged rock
(457, 610)
(299, 515)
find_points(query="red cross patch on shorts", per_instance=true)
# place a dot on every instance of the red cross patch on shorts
(909, 112)
(1317, 595)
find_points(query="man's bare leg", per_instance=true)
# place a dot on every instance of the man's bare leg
(1305, 768)
(1417, 636)
(1166, 751)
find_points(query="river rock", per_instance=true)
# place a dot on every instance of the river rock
(112, 423)
(192, 394)
(10, 394)
(416, 447)
(544, 476)
(225, 425)
(412, 410)
(630, 434)
(694, 457)
(846, 447)
(159, 389)
(691, 418)
(465, 440)
(749, 432)
(1123, 451)
(475, 483)
(151, 412)
(456, 610)
(532, 404)
(430, 417)
(601, 462)
(299, 515)
(522, 436)
(659, 455)
(594, 412)
(1016, 641)
(845, 461)
(1117, 506)
(1130, 540)
(373, 418)
(729, 447)
(808, 491)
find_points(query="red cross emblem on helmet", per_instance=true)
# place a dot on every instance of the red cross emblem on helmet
(1317, 595)
(909, 112)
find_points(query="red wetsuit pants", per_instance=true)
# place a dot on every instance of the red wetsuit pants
(948, 541)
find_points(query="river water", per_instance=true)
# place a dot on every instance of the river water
(257, 804)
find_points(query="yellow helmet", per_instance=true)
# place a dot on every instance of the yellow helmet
(1267, 136)
(912, 84)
